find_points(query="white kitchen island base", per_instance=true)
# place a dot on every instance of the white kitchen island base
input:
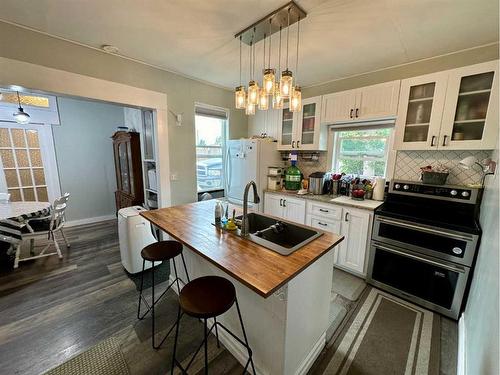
(287, 330)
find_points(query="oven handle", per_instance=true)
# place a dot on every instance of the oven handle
(425, 260)
(422, 229)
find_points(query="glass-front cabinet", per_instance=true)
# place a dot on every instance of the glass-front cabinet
(302, 130)
(470, 117)
(420, 111)
(455, 110)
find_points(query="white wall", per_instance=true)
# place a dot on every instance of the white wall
(84, 153)
(482, 311)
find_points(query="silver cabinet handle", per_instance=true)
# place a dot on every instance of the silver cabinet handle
(425, 260)
(444, 140)
(432, 140)
(425, 230)
(281, 202)
(346, 216)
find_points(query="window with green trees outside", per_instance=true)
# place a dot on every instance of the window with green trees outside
(361, 152)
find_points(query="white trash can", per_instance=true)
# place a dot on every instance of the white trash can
(134, 233)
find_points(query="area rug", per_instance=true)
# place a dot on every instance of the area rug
(105, 358)
(387, 335)
(162, 273)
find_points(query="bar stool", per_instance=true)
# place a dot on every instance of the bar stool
(161, 251)
(203, 298)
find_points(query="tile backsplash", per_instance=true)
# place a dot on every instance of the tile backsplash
(408, 165)
(310, 166)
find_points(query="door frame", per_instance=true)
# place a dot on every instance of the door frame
(33, 78)
(48, 157)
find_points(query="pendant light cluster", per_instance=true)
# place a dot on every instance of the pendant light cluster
(275, 90)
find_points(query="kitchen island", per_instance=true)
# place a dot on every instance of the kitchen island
(285, 300)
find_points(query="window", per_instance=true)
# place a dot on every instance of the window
(361, 152)
(210, 127)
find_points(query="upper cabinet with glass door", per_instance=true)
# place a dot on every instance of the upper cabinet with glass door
(302, 130)
(420, 110)
(455, 110)
(470, 117)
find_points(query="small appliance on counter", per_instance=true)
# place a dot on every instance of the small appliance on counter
(316, 182)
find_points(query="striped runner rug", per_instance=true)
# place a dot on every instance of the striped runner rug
(387, 335)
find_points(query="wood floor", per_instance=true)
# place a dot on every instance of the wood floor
(51, 310)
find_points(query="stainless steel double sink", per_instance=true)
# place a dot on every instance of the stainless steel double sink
(277, 235)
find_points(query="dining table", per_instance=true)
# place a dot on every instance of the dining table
(14, 215)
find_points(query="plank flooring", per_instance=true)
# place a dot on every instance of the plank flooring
(51, 310)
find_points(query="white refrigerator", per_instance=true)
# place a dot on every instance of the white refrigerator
(248, 160)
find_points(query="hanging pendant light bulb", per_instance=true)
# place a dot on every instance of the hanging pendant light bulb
(20, 116)
(286, 81)
(296, 97)
(239, 92)
(277, 98)
(253, 87)
(269, 73)
(263, 99)
(250, 109)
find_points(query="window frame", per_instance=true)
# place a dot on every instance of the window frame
(225, 137)
(387, 152)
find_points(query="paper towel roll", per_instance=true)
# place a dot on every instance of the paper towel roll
(379, 189)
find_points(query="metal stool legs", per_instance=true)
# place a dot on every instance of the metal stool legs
(151, 307)
(204, 343)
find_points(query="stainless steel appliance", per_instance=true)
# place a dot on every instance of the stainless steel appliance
(316, 182)
(424, 244)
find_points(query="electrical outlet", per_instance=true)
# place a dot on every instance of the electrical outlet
(174, 177)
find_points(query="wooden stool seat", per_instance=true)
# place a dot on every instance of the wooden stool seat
(161, 251)
(207, 297)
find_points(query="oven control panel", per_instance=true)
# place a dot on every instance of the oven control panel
(449, 192)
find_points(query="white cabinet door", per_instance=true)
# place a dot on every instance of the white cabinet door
(421, 104)
(470, 117)
(310, 134)
(355, 228)
(273, 205)
(294, 209)
(338, 107)
(378, 101)
(287, 129)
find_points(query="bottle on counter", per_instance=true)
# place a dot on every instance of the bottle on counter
(218, 213)
(293, 177)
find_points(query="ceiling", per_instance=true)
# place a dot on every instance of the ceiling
(339, 38)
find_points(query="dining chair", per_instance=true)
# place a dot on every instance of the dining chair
(63, 200)
(38, 227)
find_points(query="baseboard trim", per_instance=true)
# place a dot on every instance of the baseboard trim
(90, 220)
(461, 357)
(307, 363)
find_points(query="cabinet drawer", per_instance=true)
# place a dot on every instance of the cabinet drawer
(327, 211)
(326, 225)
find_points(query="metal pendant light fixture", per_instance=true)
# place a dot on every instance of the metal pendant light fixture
(269, 73)
(239, 93)
(286, 81)
(20, 116)
(296, 96)
(277, 86)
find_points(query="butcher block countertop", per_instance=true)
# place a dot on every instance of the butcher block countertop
(260, 269)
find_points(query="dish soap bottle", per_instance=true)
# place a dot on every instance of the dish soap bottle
(293, 174)
(218, 214)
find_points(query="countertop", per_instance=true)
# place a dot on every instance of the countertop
(367, 204)
(260, 269)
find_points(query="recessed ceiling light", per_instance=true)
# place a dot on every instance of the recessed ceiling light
(109, 48)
